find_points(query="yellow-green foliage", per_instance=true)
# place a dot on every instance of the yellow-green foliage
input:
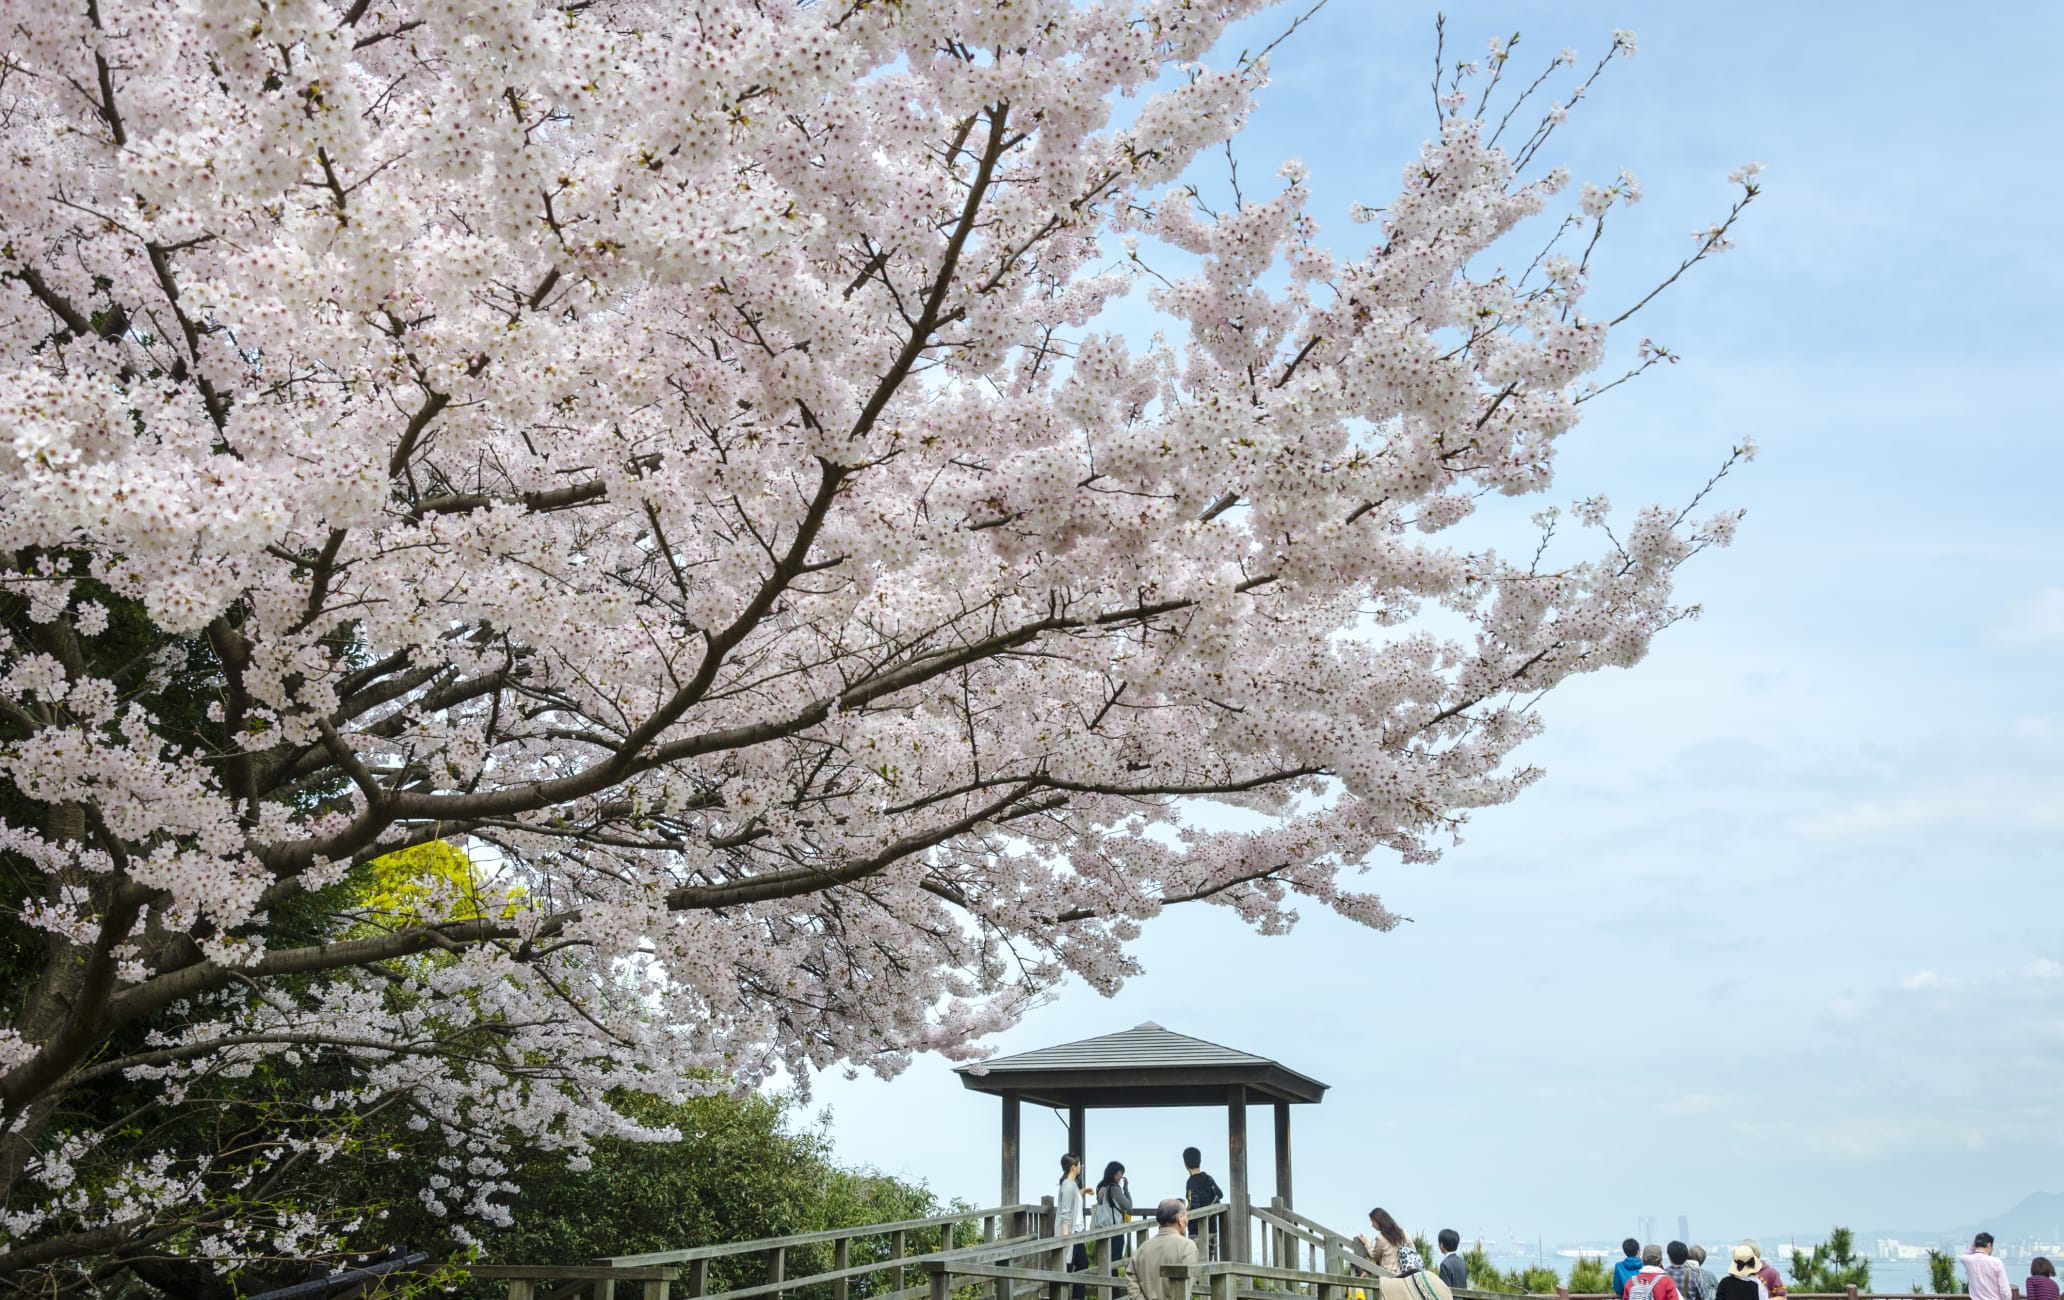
(1529, 1279)
(1589, 1276)
(431, 882)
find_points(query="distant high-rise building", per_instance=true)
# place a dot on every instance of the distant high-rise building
(1684, 1228)
(1647, 1222)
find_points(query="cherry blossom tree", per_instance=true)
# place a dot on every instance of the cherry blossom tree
(678, 454)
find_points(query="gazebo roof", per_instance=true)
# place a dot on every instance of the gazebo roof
(1143, 1066)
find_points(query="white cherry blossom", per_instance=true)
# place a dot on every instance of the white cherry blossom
(681, 453)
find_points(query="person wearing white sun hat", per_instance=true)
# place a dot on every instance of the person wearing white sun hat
(1742, 1282)
(1773, 1281)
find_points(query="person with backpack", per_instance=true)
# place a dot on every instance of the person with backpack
(1201, 1190)
(1113, 1207)
(1390, 1246)
(1651, 1281)
(1691, 1283)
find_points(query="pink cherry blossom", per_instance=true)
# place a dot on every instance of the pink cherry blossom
(681, 453)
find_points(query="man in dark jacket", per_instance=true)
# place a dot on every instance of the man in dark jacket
(1201, 1190)
(1454, 1270)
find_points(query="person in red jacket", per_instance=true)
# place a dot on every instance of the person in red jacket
(1650, 1281)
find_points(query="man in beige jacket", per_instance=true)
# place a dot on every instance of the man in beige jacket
(1145, 1280)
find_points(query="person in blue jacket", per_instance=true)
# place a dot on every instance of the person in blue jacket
(1627, 1267)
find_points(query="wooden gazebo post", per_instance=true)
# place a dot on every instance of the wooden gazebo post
(1235, 1234)
(1147, 1066)
(1011, 1194)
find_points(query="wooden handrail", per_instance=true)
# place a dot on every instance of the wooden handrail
(995, 1258)
(1324, 1238)
(969, 1254)
(570, 1273)
(809, 1238)
(1021, 1274)
(1306, 1223)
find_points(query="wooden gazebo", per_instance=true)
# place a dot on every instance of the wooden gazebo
(1149, 1067)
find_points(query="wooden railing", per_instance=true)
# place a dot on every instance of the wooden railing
(601, 1282)
(885, 1248)
(1012, 1253)
(1005, 1237)
(1218, 1281)
(1291, 1241)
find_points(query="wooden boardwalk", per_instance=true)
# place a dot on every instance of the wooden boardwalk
(1006, 1252)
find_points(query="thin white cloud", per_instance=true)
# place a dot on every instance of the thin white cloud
(2034, 622)
(1996, 804)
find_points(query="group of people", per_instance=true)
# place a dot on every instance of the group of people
(1675, 1271)
(1642, 1274)
(1986, 1274)
(1079, 1209)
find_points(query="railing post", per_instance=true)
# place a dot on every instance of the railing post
(777, 1266)
(841, 1260)
(658, 1290)
(522, 1290)
(1221, 1286)
(698, 1278)
(1049, 1227)
(896, 1244)
(605, 1289)
(942, 1279)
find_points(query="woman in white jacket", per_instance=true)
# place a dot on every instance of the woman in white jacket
(1069, 1217)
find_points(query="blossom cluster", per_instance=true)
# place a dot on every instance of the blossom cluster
(681, 453)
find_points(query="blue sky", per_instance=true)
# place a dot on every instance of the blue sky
(1776, 944)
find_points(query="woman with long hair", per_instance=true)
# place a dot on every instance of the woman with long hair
(1069, 1217)
(1113, 1205)
(1391, 1246)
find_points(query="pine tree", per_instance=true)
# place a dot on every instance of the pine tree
(1833, 1266)
(1589, 1276)
(1942, 1275)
